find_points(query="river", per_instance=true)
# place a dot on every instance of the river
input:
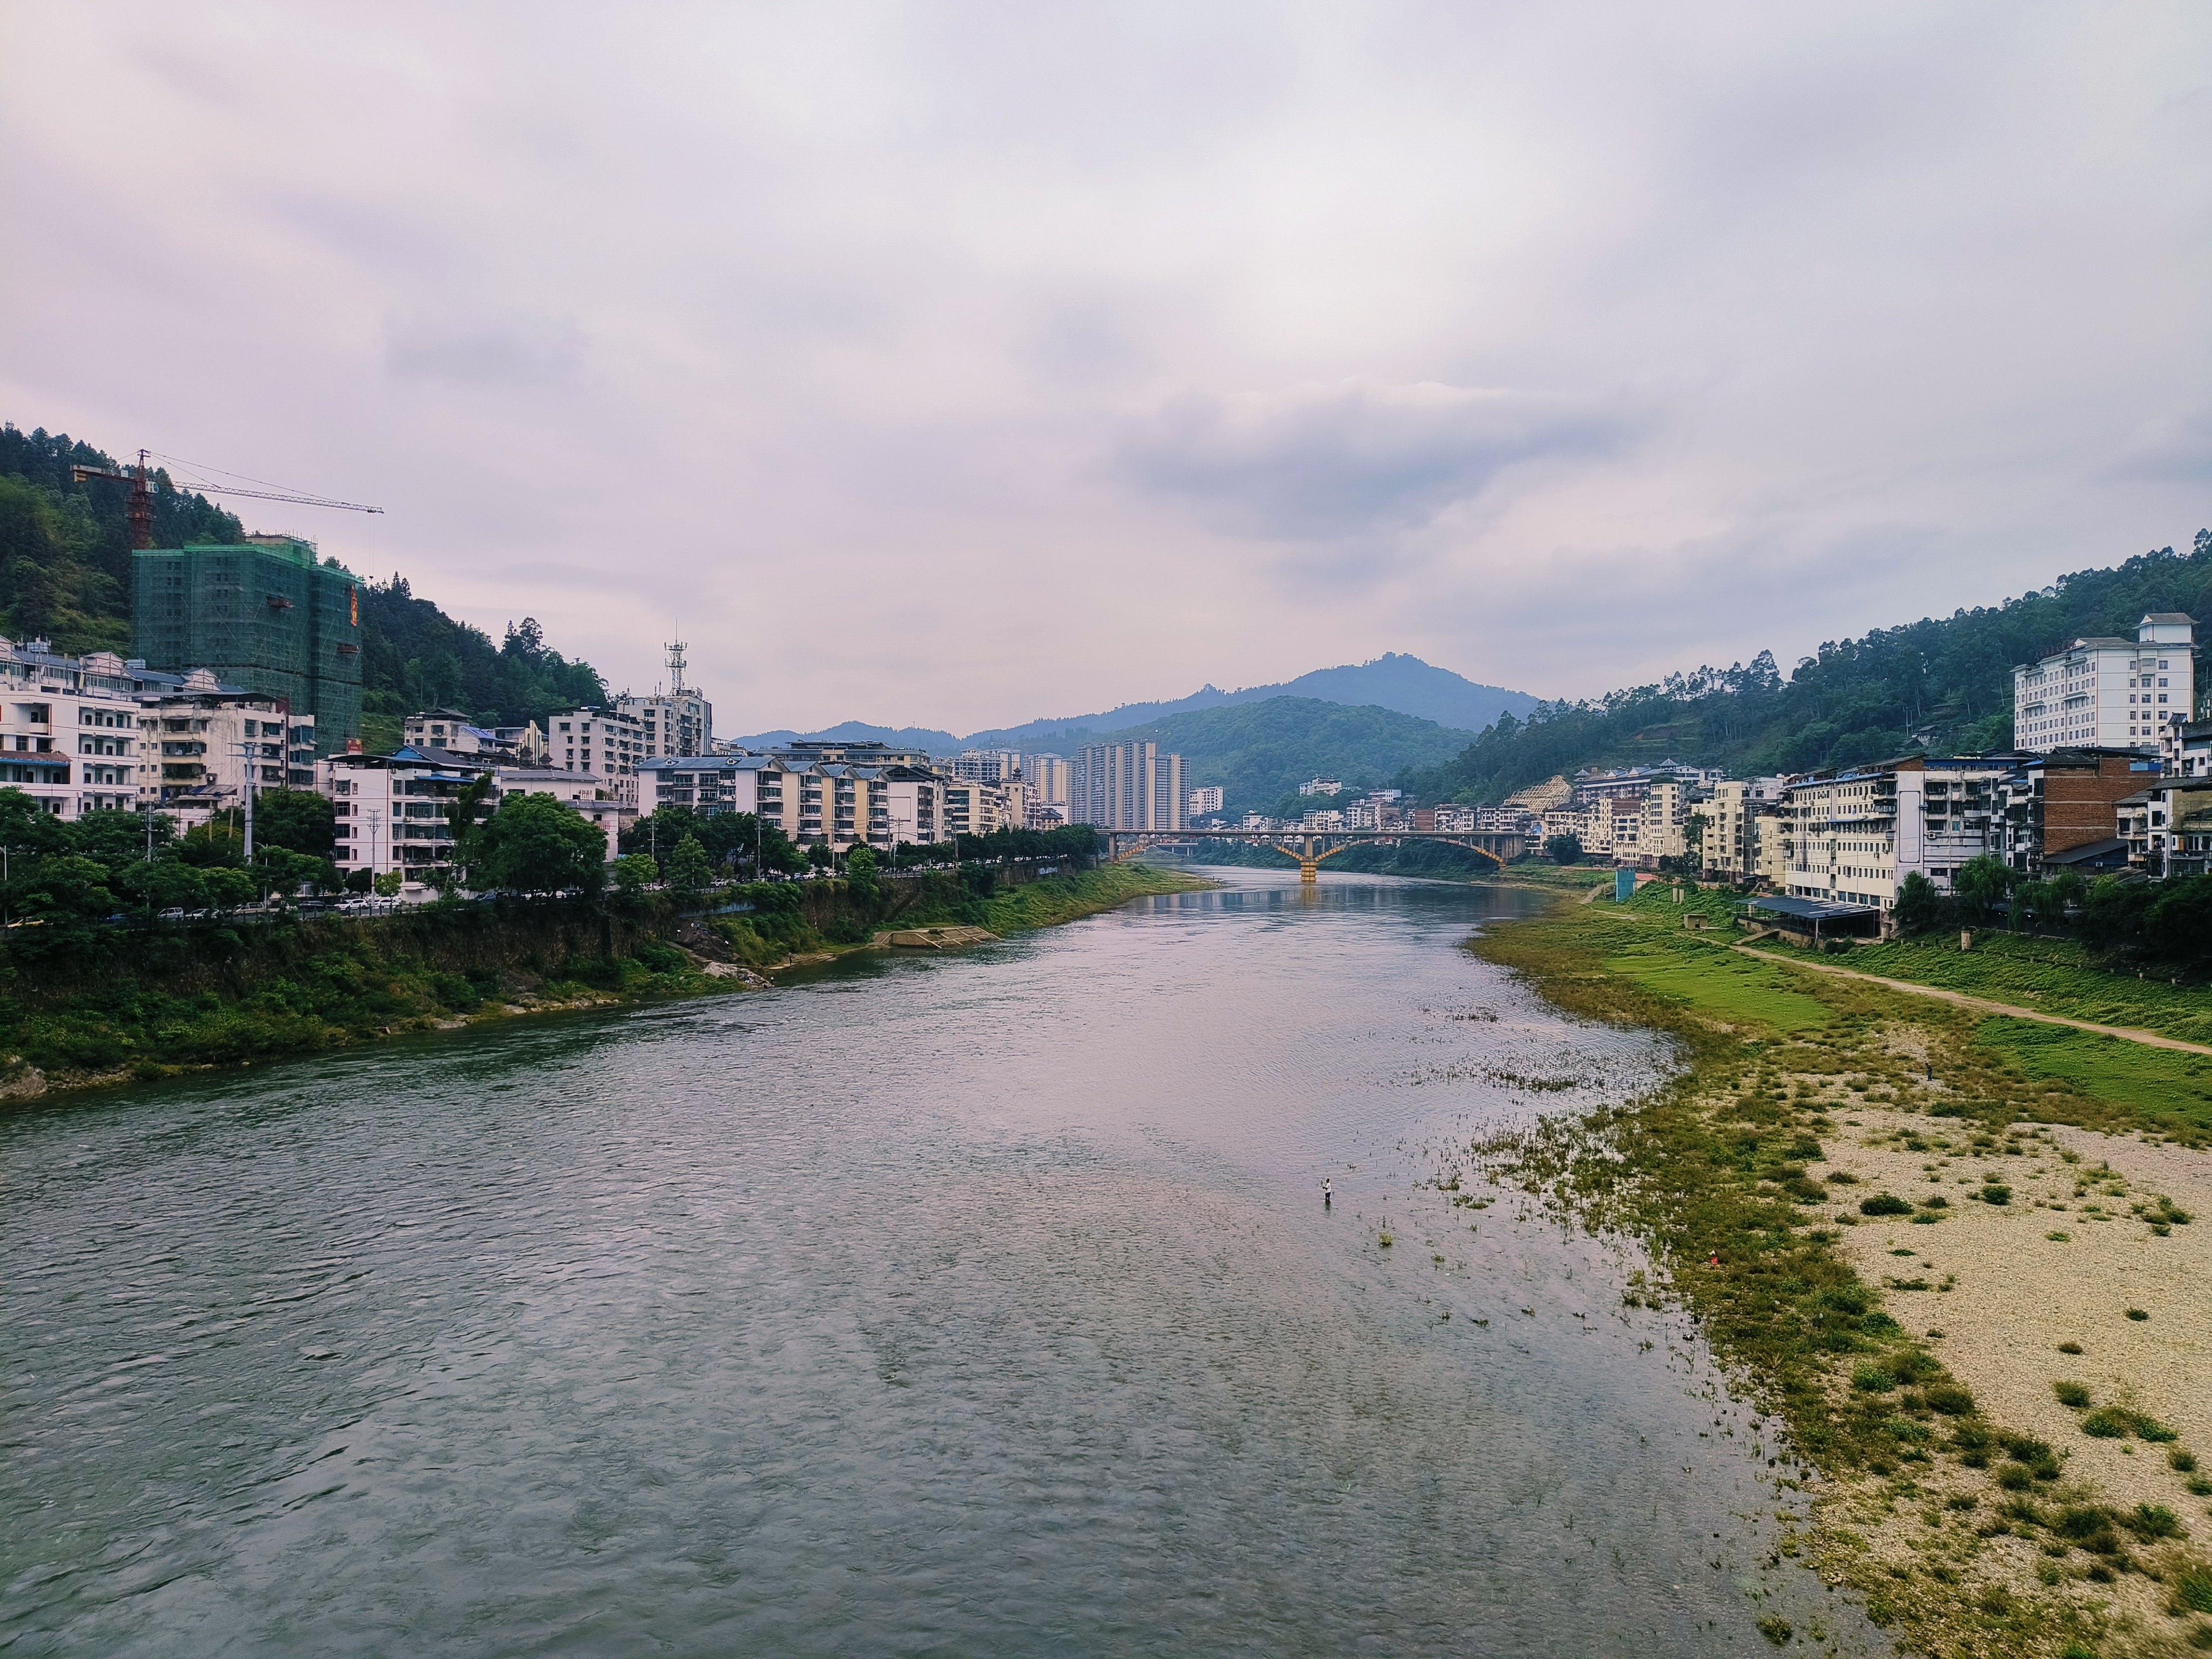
(983, 1304)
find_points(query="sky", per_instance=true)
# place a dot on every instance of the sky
(968, 364)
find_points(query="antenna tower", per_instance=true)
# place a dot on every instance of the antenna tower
(675, 649)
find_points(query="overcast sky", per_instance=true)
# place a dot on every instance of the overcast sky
(967, 364)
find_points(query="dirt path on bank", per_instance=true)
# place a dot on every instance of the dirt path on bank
(1983, 1004)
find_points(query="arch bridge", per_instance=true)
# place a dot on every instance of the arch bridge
(1311, 847)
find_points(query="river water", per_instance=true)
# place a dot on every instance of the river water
(977, 1305)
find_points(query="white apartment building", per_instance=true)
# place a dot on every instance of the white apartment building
(987, 766)
(69, 734)
(2184, 749)
(1128, 785)
(1856, 835)
(1662, 824)
(834, 803)
(393, 813)
(454, 733)
(603, 740)
(1322, 818)
(679, 723)
(2109, 693)
(1047, 778)
(973, 808)
(1330, 786)
(1206, 800)
(1745, 837)
(205, 744)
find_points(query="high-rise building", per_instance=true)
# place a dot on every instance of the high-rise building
(1127, 785)
(2105, 692)
(678, 721)
(265, 614)
(1205, 800)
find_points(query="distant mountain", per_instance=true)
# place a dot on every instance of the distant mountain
(904, 737)
(1404, 685)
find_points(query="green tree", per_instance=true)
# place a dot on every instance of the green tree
(536, 844)
(388, 883)
(633, 872)
(164, 885)
(298, 820)
(62, 887)
(1920, 906)
(215, 843)
(27, 829)
(690, 871)
(1983, 885)
(228, 886)
(1563, 849)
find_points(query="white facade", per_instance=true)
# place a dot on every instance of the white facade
(393, 813)
(2109, 693)
(70, 735)
(1331, 787)
(1854, 835)
(679, 723)
(1206, 800)
(1046, 777)
(602, 740)
(1128, 785)
(987, 766)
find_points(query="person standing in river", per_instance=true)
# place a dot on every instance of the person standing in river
(1324, 1192)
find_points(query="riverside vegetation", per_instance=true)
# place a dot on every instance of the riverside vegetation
(93, 991)
(1974, 1515)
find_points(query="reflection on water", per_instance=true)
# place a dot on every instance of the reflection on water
(979, 1303)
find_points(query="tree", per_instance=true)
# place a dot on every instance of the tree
(213, 843)
(164, 885)
(536, 844)
(280, 871)
(228, 887)
(819, 856)
(633, 872)
(115, 839)
(1563, 849)
(1983, 884)
(1920, 907)
(297, 820)
(61, 888)
(688, 870)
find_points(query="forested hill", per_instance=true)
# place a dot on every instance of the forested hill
(1943, 685)
(65, 576)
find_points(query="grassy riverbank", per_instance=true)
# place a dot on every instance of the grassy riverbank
(188, 1000)
(1878, 1175)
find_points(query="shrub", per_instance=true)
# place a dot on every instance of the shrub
(2106, 1425)
(1950, 1400)
(1884, 1204)
(657, 958)
(1994, 1194)
(2012, 1478)
(1873, 1379)
(2137, 1314)
(2152, 1521)
(2071, 1394)
(2192, 1589)
(2183, 1463)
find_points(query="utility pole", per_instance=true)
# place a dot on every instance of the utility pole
(249, 767)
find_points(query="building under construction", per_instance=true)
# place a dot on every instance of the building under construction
(266, 614)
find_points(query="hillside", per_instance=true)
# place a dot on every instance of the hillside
(1939, 684)
(1402, 684)
(65, 575)
(1258, 753)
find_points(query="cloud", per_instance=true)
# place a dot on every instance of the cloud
(1323, 461)
(2174, 450)
(519, 351)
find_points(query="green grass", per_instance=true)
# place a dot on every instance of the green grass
(2167, 1088)
(2051, 977)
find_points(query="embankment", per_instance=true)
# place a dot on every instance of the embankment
(1927, 1258)
(108, 1005)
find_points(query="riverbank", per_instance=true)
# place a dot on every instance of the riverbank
(1916, 1246)
(191, 1001)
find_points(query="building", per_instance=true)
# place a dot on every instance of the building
(1856, 834)
(2105, 692)
(987, 766)
(973, 808)
(1127, 785)
(1046, 778)
(2061, 810)
(678, 721)
(1331, 787)
(2185, 750)
(1205, 802)
(1745, 836)
(266, 615)
(394, 813)
(206, 743)
(1664, 822)
(813, 752)
(584, 794)
(70, 729)
(602, 740)
(1322, 818)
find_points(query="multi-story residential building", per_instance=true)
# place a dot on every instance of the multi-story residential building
(70, 736)
(834, 803)
(394, 813)
(679, 723)
(1331, 787)
(206, 743)
(1046, 778)
(1662, 824)
(2185, 750)
(1745, 836)
(1206, 800)
(987, 766)
(454, 732)
(1321, 818)
(1128, 785)
(913, 800)
(813, 752)
(712, 783)
(1856, 834)
(602, 740)
(2061, 809)
(2105, 692)
(267, 615)
(974, 808)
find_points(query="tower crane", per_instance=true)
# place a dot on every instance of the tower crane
(139, 510)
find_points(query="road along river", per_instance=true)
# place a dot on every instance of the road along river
(978, 1304)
